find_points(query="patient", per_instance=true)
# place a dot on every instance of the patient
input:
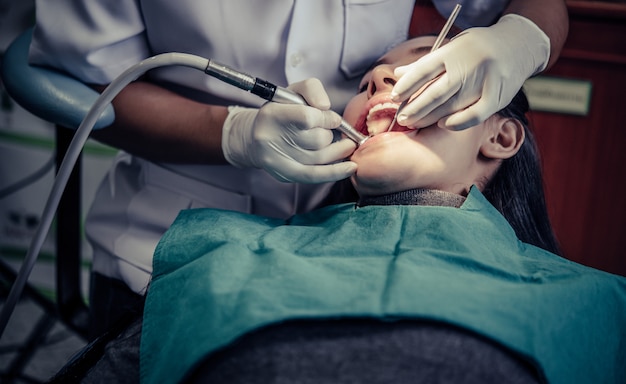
(499, 156)
(444, 271)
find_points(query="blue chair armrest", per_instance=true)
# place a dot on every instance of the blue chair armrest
(46, 93)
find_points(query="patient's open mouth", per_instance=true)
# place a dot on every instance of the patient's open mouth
(378, 119)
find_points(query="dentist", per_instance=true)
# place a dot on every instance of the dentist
(189, 141)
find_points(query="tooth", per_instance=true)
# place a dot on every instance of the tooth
(380, 107)
(378, 124)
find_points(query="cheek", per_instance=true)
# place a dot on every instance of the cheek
(457, 156)
(455, 149)
(375, 162)
(354, 108)
(389, 167)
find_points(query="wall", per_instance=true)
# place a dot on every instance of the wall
(584, 157)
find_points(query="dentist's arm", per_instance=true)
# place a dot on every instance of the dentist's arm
(483, 68)
(159, 125)
(550, 16)
(291, 142)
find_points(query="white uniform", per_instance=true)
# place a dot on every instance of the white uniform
(282, 41)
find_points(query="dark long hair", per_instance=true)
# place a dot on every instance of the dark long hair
(517, 189)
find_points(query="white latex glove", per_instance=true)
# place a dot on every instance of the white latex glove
(294, 143)
(481, 71)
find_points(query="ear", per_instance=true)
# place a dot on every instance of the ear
(505, 138)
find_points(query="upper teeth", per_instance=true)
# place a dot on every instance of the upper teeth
(380, 107)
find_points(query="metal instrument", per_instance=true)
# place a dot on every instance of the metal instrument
(442, 35)
(271, 92)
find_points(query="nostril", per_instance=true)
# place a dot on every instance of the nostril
(372, 88)
(390, 81)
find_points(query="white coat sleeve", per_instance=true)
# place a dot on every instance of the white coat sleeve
(94, 40)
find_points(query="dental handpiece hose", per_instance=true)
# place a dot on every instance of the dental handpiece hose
(259, 87)
(271, 92)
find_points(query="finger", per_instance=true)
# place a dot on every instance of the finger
(309, 117)
(314, 130)
(312, 166)
(313, 92)
(297, 117)
(321, 134)
(488, 104)
(451, 108)
(329, 154)
(337, 151)
(455, 104)
(312, 139)
(433, 100)
(466, 118)
(414, 76)
(331, 172)
(317, 173)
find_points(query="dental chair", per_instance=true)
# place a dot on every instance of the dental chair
(64, 101)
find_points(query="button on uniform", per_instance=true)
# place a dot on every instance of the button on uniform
(295, 59)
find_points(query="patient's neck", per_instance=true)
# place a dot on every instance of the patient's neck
(431, 197)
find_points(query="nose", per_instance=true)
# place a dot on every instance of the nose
(382, 80)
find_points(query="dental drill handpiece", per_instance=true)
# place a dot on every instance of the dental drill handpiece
(271, 92)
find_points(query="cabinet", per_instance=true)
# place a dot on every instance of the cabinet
(584, 157)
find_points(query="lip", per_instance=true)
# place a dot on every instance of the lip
(378, 99)
(361, 124)
(387, 136)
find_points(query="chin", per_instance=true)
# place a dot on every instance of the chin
(374, 186)
(382, 177)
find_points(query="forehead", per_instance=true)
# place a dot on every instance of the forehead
(408, 51)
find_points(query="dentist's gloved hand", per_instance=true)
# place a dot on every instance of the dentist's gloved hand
(294, 143)
(481, 71)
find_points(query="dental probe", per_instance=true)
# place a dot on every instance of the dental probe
(438, 41)
(271, 92)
